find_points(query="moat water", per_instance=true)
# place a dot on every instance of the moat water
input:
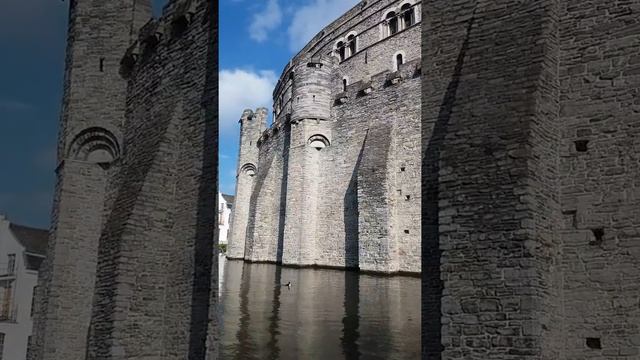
(325, 314)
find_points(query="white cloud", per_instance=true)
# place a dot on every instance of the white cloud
(308, 20)
(243, 89)
(265, 21)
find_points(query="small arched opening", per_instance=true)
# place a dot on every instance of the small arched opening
(408, 15)
(96, 145)
(392, 23)
(318, 142)
(351, 43)
(248, 169)
(341, 50)
(398, 60)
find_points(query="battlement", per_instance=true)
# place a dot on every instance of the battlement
(293, 110)
(175, 20)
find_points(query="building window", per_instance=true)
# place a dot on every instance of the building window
(340, 48)
(391, 22)
(351, 43)
(345, 82)
(408, 15)
(398, 60)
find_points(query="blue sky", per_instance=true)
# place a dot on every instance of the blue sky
(257, 38)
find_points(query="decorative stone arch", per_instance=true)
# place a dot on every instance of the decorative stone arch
(96, 145)
(248, 169)
(318, 142)
(351, 43)
(399, 55)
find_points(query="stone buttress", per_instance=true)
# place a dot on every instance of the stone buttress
(251, 127)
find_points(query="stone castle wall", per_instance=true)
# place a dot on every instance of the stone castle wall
(529, 208)
(599, 76)
(356, 202)
(132, 272)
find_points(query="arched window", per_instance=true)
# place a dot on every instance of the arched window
(318, 142)
(392, 23)
(341, 50)
(399, 60)
(408, 15)
(345, 82)
(351, 41)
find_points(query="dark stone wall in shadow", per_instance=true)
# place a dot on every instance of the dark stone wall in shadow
(283, 192)
(433, 141)
(351, 214)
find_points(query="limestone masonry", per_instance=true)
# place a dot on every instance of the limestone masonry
(531, 179)
(130, 271)
(335, 180)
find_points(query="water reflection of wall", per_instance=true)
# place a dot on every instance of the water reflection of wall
(326, 314)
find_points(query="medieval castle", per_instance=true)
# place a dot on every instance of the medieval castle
(130, 271)
(335, 180)
(528, 233)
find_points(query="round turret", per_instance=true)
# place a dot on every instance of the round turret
(247, 114)
(311, 92)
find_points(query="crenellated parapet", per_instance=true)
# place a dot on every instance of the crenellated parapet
(159, 33)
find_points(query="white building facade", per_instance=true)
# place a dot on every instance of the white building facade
(225, 207)
(22, 250)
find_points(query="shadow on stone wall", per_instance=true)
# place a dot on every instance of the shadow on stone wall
(351, 222)
(432, 285)
(127, 188)
(204, 296)
(283, 192)
(264, 167)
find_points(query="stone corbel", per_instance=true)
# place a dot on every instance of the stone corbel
(394, 77)
(342, 98)
(366, 88)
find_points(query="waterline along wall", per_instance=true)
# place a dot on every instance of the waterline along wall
(531, 198)
(335, 180)
(130, 271)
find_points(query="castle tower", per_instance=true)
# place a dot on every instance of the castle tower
(90, 144)
(251, 127)
(310, 134)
